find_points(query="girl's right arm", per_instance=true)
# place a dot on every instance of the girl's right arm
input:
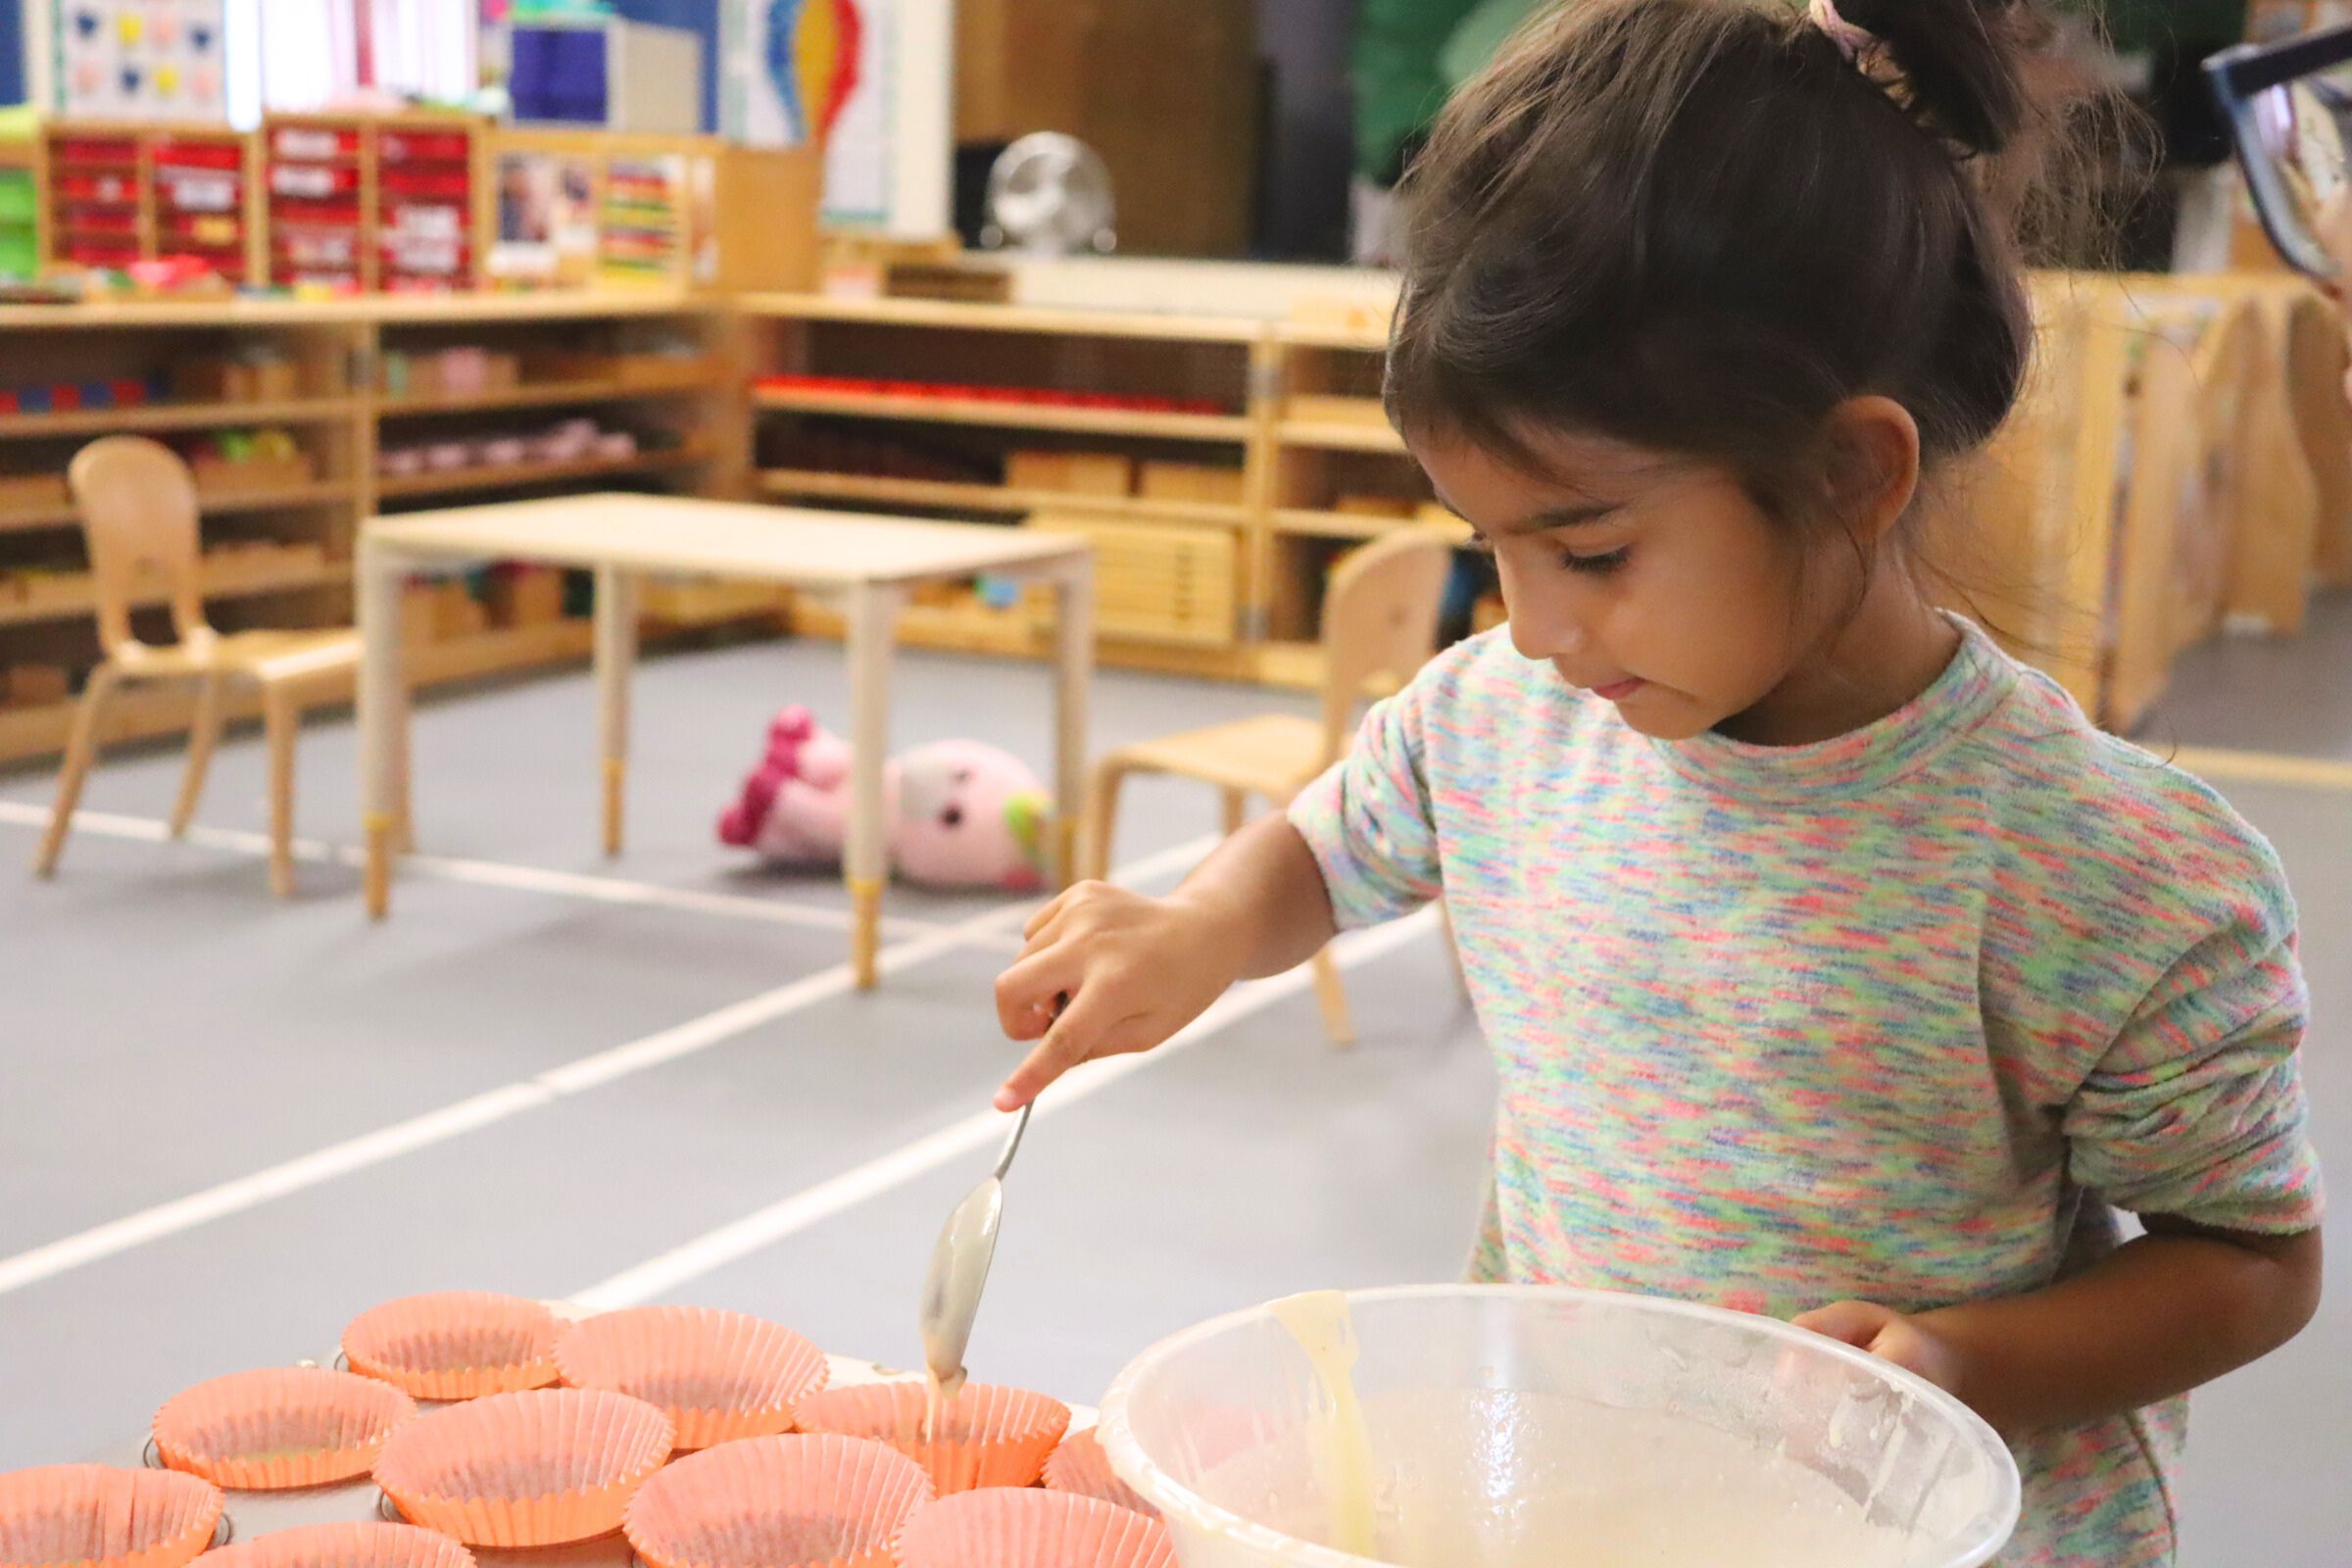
(1136, 969)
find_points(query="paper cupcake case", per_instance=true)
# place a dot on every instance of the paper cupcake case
(1080, 1466)
(345, 1546)
(106, 1516)
(719, 1375)
(800, 1501)
(1009, 1528)
(529, 1469)
(455, 1345)
(279, 1426)
(988, 1436)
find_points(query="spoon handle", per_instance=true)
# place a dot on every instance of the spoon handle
(1013, 1142)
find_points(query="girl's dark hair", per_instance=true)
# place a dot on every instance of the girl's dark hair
(1698, 226)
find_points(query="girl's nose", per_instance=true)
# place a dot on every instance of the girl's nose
(1542, 631)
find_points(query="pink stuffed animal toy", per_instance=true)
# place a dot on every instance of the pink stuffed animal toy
(958, 813)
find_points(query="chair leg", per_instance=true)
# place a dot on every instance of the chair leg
(1237, 811)
(281, 718)
(1332, 997)
(81, 750)
(204, 733)
(1102, 818)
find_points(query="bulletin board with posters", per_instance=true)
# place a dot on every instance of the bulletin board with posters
(136, 59)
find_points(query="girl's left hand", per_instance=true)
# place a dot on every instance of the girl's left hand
(1908, 1342)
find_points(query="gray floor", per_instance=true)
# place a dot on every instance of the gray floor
(196, 1080)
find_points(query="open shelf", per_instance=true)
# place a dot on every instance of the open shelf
(1011, 415)
(518, 475)
(179, 416)
(1055, 322)
(888, 491)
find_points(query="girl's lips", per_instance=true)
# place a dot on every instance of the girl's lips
(1617, 691)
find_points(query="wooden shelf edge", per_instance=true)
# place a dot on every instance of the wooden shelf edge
(177, 416)
(978, 318)
(524, 474)
(1337, 437)
(990, 497)
(40, 731)
(1219, 427)
(309, 495)
(542, 394)
(1308, 524)
(333, 574)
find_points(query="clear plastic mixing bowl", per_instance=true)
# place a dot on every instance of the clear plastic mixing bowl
(1529, 1427)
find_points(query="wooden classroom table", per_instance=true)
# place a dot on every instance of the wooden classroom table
(865, 563)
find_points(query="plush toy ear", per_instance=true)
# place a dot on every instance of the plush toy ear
(1025, 818)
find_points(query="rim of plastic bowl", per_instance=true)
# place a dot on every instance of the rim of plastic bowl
(1184, 1508)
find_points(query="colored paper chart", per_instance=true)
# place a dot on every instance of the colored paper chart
(797, 70)
(137, 59)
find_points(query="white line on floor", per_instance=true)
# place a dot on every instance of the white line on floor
(815, 1204)
(512, 1099)
(493, 873)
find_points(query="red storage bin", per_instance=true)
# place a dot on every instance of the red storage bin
(424, 146)
(104, 220)
(109, 190)
(96, 149)
(414, 182)
(98, 253)
(312, 142)
(313, 181)
(169, 154)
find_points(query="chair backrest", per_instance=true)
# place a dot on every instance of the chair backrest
(1380, 620)
(138, 517)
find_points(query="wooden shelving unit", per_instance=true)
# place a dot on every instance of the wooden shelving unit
(1304, 436)
(117, 192)
(693, 425)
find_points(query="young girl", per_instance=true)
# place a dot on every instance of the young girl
(1833, 964)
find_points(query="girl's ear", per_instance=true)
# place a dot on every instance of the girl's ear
(1874, 464)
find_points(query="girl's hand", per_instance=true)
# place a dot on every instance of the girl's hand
(1135, 969)
(1908, 1342)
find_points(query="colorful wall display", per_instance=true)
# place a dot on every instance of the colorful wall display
(802, 70)
(137, 59)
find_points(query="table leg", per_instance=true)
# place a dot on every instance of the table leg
(873, 614)
(615, 654)
(382, 715)
(1074, 644)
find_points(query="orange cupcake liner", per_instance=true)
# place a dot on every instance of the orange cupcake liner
(989, 1435)
(105, 1516)
(800, 1501)
(279, 1426)
(719, 1375)
(455, 1345)
(1081, 1467)
(348, 1544)
(1018, 1528)
(536, 1468)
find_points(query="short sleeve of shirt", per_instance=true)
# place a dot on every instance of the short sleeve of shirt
(1368, 818)
(2198, 1108)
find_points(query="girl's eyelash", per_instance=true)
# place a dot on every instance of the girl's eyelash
(1598, 566)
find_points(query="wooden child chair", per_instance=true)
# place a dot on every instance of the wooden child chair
(1380, 623)
(139, 520)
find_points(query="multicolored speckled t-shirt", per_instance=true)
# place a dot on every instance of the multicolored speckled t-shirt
(1905, 1015)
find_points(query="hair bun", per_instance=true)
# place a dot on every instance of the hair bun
(1961, 63)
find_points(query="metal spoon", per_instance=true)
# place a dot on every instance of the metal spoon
(967, 1243)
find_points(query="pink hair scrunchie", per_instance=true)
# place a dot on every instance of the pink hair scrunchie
(1850, 39)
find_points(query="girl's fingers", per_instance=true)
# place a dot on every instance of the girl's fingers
(1856, 1323)
(1047, 915)
(1079, 1034)
(1026, 992)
